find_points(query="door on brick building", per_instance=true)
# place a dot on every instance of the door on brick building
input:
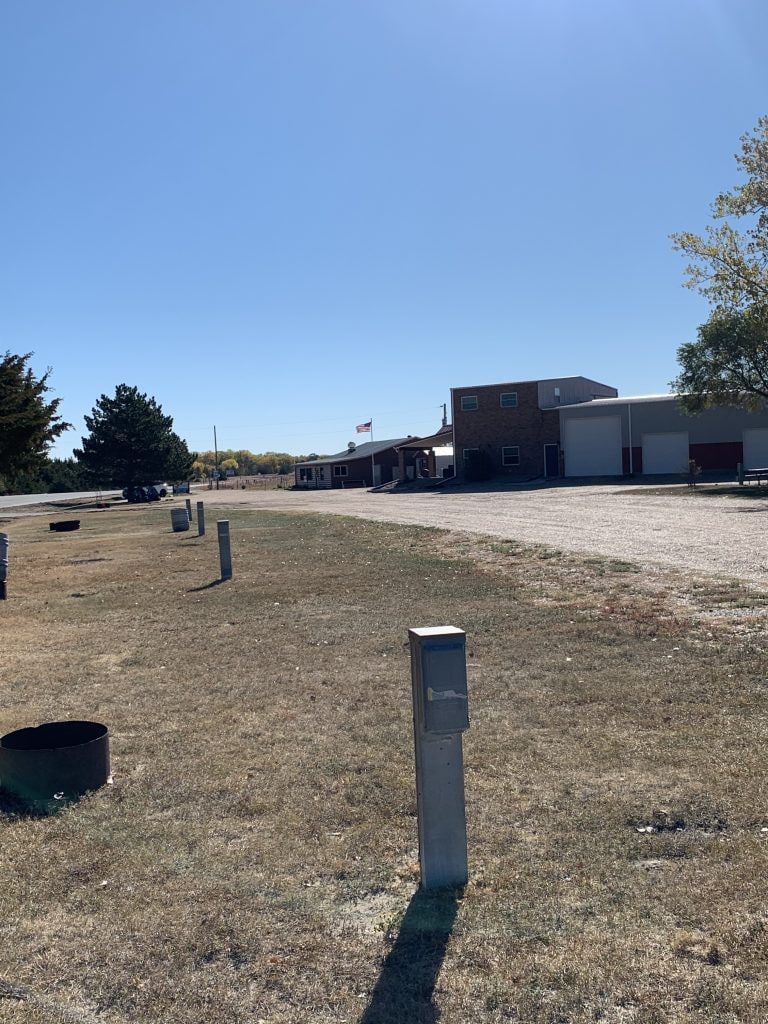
(551, 460)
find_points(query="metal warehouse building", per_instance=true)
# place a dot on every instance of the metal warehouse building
(651, 434)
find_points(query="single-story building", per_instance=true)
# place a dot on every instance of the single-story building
(362, 465)
(651, 434)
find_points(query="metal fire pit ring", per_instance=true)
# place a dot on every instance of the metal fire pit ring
(54, 764)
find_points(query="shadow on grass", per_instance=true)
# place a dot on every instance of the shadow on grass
(750, 491)
(206, 586)
(12, 806)
(403, 993)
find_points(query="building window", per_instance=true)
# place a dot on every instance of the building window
(339, 470)
(470, 453)
(508, 400)
(468, 403)
(510, 456)
(305, 474)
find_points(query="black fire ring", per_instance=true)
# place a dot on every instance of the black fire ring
(54, 764)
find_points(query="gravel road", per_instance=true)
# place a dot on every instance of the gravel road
(723, 535)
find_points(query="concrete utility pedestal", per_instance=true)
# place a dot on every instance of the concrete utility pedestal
(440, 716)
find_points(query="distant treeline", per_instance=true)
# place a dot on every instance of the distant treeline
(246, 463)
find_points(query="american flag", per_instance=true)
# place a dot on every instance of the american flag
(364, 428)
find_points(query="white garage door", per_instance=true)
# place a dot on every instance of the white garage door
(665, 453)
(592, 446)
(756, 448)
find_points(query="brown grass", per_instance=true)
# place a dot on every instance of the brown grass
(255, 859)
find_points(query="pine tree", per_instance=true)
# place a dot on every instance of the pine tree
(28, 422)
(131, 442)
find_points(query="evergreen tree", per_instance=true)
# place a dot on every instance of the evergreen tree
(28, 423)
(131, 442)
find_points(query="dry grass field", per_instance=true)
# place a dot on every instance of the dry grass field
(255, 859)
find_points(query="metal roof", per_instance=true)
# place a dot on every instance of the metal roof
(629, 400)
(536, 380)
(362, 451)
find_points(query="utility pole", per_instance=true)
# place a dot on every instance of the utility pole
(445, 415)
(216, 455)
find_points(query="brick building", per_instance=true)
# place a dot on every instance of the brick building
(515, 427)
(365, 465)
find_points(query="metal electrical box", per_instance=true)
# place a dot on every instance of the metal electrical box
(440, 669)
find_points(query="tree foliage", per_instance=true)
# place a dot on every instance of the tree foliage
(729, 265)
(247, 463)
(28, 422)
(728, 363)
(131, 442)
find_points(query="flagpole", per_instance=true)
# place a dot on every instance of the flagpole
(373, 469)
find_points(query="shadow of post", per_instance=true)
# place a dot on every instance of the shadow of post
(403, 993)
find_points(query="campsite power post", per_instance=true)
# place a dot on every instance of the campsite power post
(440, 716)
(200, 519)
(3, 564)
(225, 550)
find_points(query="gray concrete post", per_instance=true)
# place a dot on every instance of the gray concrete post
(225, 551)
(188, 503)
(440, 716)
(200, 519)
(4, 542)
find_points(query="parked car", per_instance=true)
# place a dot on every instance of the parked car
(136, 495)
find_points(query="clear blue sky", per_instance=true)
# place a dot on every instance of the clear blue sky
(287, 216)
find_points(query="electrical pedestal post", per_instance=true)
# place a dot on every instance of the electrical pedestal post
(200, 519)
(3, 564)
(440, 716)
(225, 551)
(188, 503)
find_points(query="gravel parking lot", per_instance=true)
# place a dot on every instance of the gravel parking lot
(724, 535)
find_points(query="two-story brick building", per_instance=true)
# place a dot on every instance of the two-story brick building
(515, 427)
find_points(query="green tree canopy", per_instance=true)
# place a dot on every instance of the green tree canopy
(132, 442)
(28, 423)
(728, 363)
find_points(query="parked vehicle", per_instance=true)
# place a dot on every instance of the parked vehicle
(137, 495)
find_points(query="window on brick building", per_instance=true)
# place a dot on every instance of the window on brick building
(510, 456)
(468, 403)
(470, 452)
(508, 400)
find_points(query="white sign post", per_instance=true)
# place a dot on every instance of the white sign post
(440, 716)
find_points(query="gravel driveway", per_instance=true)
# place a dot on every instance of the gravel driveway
(724, 535)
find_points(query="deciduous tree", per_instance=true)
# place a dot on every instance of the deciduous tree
(728, 364)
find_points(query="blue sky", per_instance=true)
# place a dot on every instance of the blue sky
(284, 217)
